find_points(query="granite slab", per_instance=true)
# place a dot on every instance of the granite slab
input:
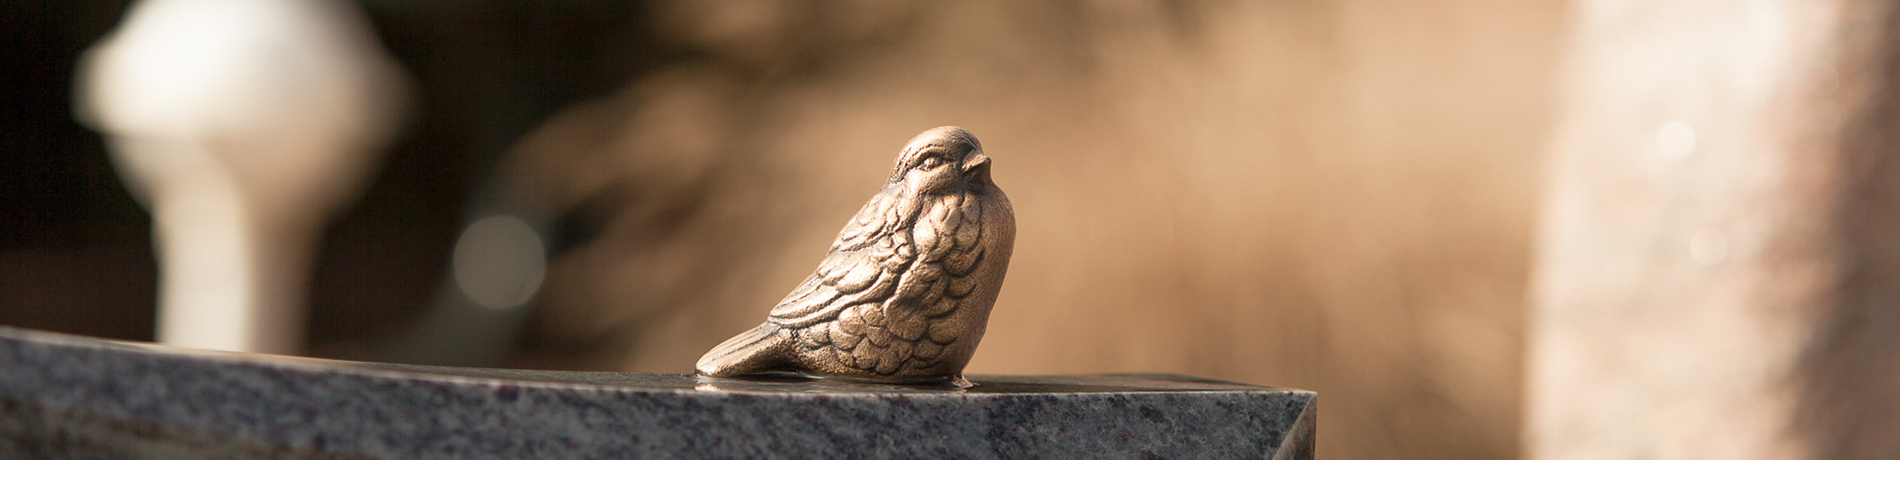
(65, 396)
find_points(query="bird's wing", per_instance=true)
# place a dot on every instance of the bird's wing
(904, 282)
(877, 220)
(863, 266)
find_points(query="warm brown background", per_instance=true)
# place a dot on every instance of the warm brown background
(1458, 220)
(1336, 196)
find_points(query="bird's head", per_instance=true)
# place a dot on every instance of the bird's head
(942, 159)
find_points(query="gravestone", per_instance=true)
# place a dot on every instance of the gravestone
(64, 396)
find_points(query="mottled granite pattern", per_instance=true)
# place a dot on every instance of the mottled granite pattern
(64, 396)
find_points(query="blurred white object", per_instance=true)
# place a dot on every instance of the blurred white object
(243, 125)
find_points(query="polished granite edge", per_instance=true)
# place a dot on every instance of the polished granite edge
(69, 396)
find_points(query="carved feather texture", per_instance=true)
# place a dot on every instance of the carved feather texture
(881, 299)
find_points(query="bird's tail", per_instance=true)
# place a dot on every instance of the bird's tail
(762, 349)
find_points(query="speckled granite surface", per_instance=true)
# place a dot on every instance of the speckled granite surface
(64, 396)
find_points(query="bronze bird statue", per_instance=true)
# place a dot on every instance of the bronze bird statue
(905, 292)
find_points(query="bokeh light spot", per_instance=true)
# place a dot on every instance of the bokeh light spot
(1676, 140)
(1708, 247)
(499, 262)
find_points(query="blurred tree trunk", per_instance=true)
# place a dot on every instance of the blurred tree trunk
(1716, 275)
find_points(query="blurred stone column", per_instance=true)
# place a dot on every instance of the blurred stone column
(1718, 272)
(243, 126)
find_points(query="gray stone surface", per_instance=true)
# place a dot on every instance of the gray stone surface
(64, 396)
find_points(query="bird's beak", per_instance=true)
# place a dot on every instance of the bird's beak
(976, 163)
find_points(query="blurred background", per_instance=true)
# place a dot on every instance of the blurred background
(1479, 228)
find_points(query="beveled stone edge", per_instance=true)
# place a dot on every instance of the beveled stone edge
(1302, 439)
